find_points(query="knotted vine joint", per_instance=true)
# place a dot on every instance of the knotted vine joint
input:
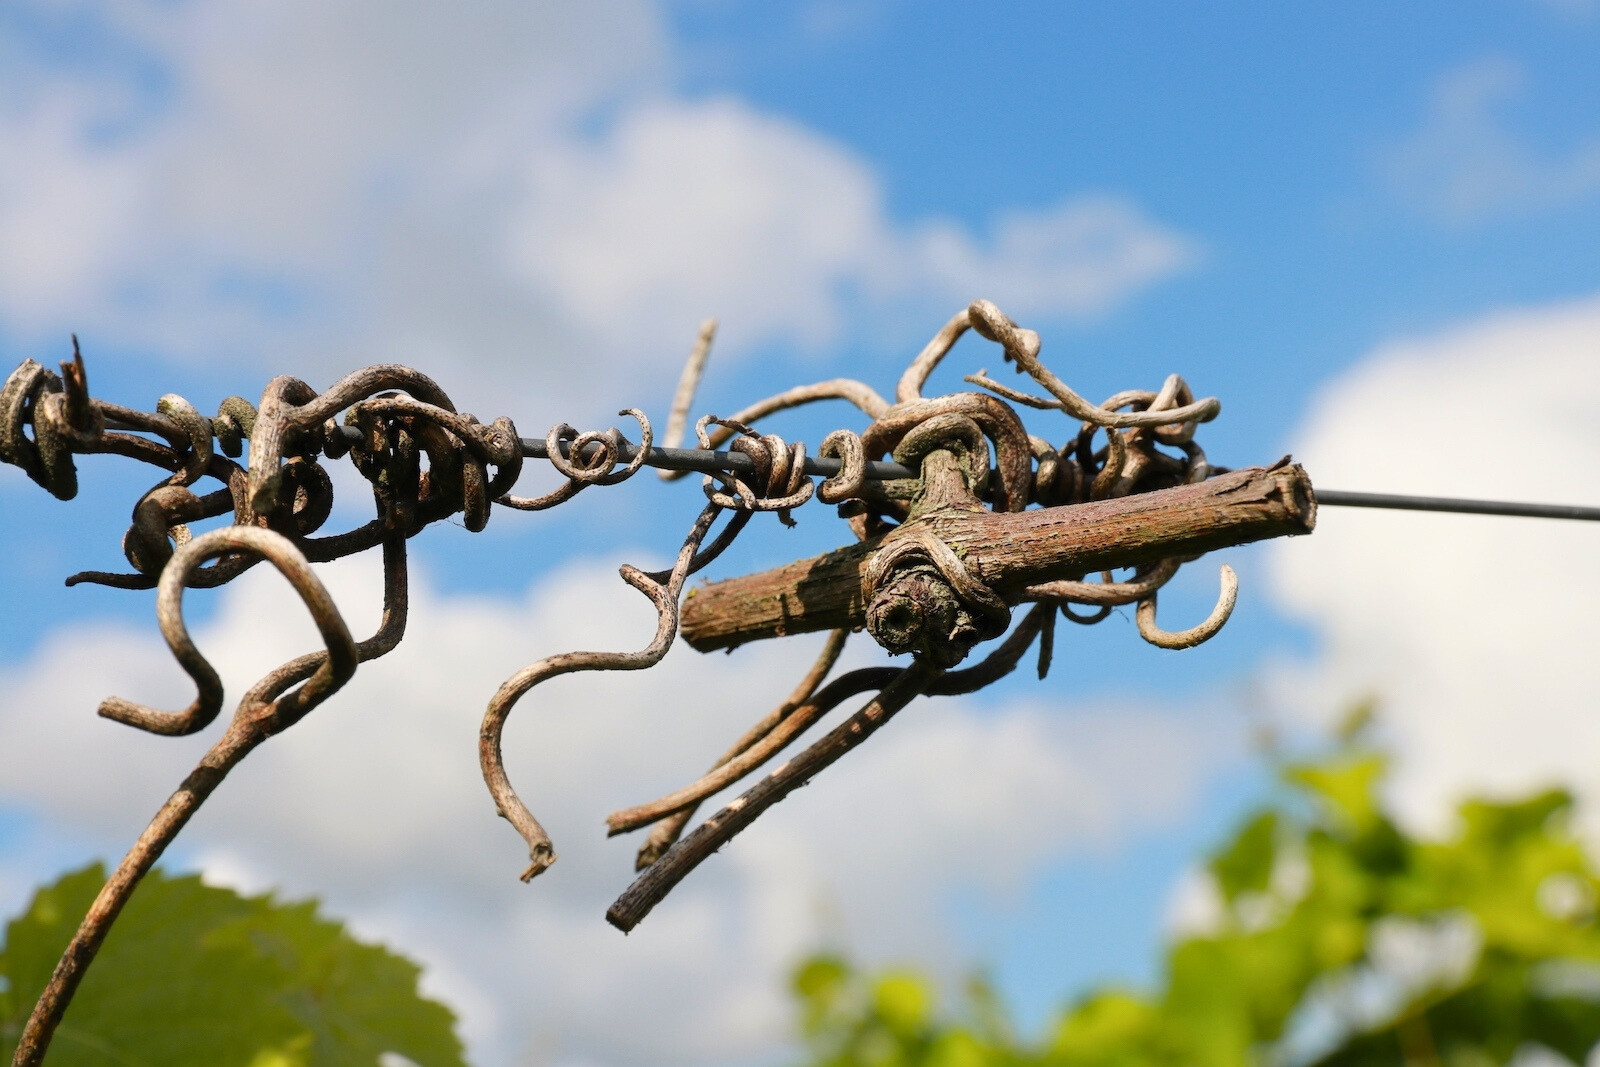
(917, 609)
(921, 597)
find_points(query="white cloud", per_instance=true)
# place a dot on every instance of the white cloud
(375, 803)
(1475, 632)
(318, 186)
(63, 207)
(1463, 165)
(1082, 257)
(513, 188)
(712, 205)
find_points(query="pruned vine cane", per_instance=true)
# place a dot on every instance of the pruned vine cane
(960, 515)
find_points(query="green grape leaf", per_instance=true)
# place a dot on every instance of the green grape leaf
(903, 1001)
(1245, 865)
(194, 974)
(1276, 983)
(1345, 786)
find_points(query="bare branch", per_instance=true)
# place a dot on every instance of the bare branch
(688, 382)
(947, 548)
(657, 881)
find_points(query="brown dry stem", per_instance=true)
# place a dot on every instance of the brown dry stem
(270, 707)
(1012, 552)
(754, 747)
(664, 596)
(943, 558)
(659, 879)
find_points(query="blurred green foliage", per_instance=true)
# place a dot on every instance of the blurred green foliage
(1336, 939)
(196, 975)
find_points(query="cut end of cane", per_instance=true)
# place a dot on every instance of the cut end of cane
(542, 856)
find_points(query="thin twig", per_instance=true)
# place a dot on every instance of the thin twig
(658, 880)
(672, 813)
(1108, 592)
(688, 382)
(863, 396)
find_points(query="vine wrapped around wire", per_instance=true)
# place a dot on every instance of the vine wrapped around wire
(425, 462)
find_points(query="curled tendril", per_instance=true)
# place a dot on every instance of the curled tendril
(1013, 451)
(160, 519)
(33, 395)
(199, 430)
(587, 459)
(337, 667)
(863, 396)
(401, 415)
(1196, 634)
(1022, 348)
(1110, 478)
(1107, 591)
(267, 709)
(1100, 614)
(664, 597)
(779, 483)
(593, 465)
(236, 420)
(950, 432)
(846, 447)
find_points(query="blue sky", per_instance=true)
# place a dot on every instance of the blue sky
(1301, 208)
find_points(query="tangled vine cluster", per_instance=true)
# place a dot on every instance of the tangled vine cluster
(426, 462)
